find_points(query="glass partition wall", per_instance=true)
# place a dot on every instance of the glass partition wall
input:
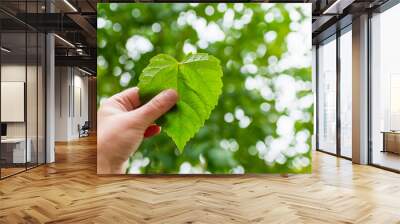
(22, 77)
(334, 94)
(385, 90)
(13, 89)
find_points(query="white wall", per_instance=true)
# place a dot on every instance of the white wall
(71, 94)
(80, 100)
(61, 103)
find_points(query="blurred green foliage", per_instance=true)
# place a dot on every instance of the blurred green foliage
(264, 120)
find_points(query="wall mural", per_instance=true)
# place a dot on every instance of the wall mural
(242, 72)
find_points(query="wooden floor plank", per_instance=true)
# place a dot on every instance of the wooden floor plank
(69, 191)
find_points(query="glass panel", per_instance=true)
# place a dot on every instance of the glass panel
(41, 99)
(314, 87)
(32, 87)
(31, 98)
(13, 86)
(385, 84)
(346, 94)
(327, 97)
(22, 88)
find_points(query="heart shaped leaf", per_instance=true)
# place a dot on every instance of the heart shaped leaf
(198, 81)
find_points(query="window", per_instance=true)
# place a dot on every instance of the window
(346, 93)
(327, 97)
(385, 89)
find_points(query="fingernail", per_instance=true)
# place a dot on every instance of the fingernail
(152, 130)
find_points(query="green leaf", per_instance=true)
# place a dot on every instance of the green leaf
(198, 81)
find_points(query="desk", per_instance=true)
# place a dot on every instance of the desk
(391, 141)
(13, 150)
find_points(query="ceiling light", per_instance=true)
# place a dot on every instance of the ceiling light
(5, 50)
(84, 71)
(65, 41)
(70, 5)
(79, 51)
(338, 6)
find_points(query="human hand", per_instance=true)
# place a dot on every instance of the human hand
(123, 123)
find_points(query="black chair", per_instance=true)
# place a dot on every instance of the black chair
(84, 130)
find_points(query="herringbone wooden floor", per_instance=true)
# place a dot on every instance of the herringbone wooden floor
(69, 191)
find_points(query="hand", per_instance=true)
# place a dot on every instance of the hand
(123, 123)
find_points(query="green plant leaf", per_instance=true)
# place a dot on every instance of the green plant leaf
(198, 81)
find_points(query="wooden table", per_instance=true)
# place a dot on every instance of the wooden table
(391, 141)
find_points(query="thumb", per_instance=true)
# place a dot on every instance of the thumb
(157, 106)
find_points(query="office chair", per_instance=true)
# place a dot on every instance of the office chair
(84, 130)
